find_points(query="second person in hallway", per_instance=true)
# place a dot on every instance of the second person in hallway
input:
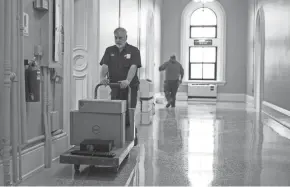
(173, 77)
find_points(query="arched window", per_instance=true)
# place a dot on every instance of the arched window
(203, 24)
(203, 42)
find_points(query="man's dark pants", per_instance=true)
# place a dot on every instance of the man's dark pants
(170, 90)
(122, 94)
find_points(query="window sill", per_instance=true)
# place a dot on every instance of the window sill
(220, 83)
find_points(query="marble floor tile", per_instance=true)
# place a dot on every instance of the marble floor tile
(226, 144)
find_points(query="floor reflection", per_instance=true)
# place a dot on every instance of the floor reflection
(193, 145)
(201, 146)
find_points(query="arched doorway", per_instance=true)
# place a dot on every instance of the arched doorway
(259, 54)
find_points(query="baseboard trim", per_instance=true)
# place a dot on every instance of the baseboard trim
(276, 126)
(277, 108)
(181, 96)
(222, 97)
(158, 95)
(228, 97)
(250, 100)
(33, 158)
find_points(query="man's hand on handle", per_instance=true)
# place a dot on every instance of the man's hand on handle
(105, 81)
(124, 84)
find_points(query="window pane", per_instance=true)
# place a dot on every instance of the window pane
(208, 71)
(202, 54)
(203, 16)
(196, 54)
(209, 54)
(195, 71)
(203, 32)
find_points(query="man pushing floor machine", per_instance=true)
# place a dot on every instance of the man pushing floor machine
(104, 130)
(99, 131)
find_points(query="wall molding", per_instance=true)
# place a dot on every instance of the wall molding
(222, 97)
(68, 63)
(277, 108)
(181, 96)
(228, 97)
(276, 126)
(231, 97)
(33, 158)
(250, 100)
(259, 57)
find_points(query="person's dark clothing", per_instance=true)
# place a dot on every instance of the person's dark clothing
(119, 63)
(173, 70)
(170, 90)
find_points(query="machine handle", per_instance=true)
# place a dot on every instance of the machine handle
(109, 84)
(114, 85)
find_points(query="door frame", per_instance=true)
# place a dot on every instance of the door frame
(68, 9)
(69, 14)
(259, 59)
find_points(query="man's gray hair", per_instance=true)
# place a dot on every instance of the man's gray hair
(120, 29)
(173, 57)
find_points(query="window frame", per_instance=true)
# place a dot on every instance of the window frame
(219, 41)
(203, 26)
(215, 65)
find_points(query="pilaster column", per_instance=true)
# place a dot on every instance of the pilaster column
(6, 96)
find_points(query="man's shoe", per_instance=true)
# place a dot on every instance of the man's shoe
(168, 105)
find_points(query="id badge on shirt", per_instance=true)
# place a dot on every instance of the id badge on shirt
(128, 56)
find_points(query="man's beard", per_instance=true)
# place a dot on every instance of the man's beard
(120, 46)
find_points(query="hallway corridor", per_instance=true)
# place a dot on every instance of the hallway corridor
(53, 54)
(193, 145)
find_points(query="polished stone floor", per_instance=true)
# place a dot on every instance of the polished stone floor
(225, 144)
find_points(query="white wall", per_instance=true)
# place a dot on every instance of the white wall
(129, 20)
(108, 22)
(150, 41)
(250, 48)
(149, 37)
(146, 9)
(237, 27)
(277, 51)
(157, 48)
(93, 45)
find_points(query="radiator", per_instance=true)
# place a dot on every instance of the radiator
(202, 91)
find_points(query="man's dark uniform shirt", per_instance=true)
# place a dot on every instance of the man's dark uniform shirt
(119, 63)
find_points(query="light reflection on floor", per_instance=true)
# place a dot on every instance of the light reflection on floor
(194, 145)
